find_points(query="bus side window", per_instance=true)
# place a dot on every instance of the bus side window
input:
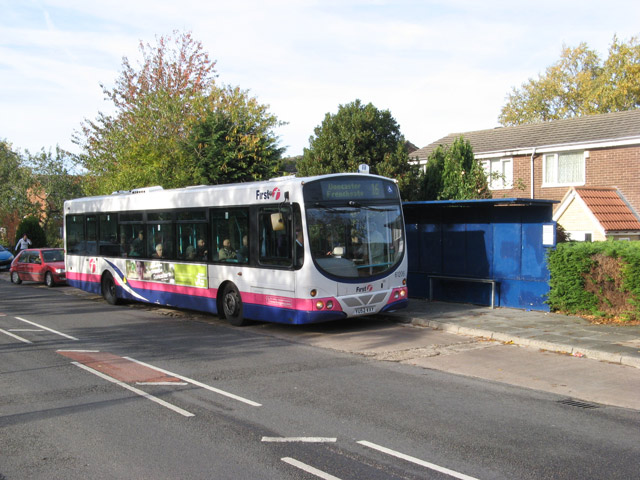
(92, 235)
(132, 240)
(276, 245)
(109, 235)
(75, 234)
(230, 235)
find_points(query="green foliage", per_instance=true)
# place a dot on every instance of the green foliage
(35, 233)
(15, 180)
(234, 142)
(51, 183)
(358, 134)
(573, 286)
(452, 173)
(174, 127)
(37, 185)
(155, 105)
(579, 83)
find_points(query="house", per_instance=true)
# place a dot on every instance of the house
(546, 160)
(597, 213)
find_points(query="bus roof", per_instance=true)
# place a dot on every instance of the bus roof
(157, 198)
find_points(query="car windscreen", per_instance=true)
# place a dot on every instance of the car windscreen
(53, 256)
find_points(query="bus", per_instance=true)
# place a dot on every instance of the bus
(288, 250)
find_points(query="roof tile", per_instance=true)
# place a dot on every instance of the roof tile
(609, 208)
(586, 129)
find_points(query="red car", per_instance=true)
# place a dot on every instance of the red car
(39, 265)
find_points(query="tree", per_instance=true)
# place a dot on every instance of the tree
(35, 233)
(359, 134)
(620, 85)
(155, 106)
(453, 173)
(50, 184)
(234, 142)
(579, 83)
(14, 183)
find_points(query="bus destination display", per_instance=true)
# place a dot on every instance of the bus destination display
(349, 189)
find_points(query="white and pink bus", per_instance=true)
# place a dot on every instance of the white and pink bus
(288, 250)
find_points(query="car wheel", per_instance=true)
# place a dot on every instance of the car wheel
(109, 289)
(48, 279)
(232, 306)
(15, 278)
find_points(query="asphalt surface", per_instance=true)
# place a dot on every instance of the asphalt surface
(564, 355)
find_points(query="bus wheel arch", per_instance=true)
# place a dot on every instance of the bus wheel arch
(230, 305)
(108, 288)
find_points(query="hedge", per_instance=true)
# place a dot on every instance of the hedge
(600, 279)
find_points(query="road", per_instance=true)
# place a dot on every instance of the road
(89, 390)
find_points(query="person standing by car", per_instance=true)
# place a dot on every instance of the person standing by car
(22, 244)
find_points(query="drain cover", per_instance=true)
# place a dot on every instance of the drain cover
(577, 403)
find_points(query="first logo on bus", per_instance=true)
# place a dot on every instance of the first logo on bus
(268, 195)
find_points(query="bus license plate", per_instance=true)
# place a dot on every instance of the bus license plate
(362, 310)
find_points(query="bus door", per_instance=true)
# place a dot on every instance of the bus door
(276, 250)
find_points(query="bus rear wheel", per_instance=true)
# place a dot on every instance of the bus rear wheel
(109, 289)
(232, 306)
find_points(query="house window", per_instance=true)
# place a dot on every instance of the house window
(563, 169)
(580, 236)
(499, 173)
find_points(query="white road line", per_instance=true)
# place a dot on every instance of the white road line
(417, 461)
(78, 351)
(47, 329)
(135, 390)
(299, 439)
(162, 383)
(25, 329)
(308, 469)
(15, 336)
(199, 384)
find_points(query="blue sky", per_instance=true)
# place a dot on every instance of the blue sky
(439, 67)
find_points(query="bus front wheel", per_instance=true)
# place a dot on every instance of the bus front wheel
(109, 289)
(232, 306)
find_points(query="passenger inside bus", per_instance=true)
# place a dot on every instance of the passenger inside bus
(202, 252)
(243, 252)
(158, 252)
(299, 248)
(137, 245)
(226, 252)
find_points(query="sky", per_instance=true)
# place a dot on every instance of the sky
(439, 67)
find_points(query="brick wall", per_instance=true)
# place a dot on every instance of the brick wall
(610, 167)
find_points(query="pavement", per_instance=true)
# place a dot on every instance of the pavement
(551, 332)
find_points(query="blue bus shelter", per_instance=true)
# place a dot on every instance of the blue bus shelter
(486, 252)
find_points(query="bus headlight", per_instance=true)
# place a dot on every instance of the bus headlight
(313, 292)
(329, 304)
(319, 304)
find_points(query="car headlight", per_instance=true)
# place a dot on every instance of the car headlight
(59, 270)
